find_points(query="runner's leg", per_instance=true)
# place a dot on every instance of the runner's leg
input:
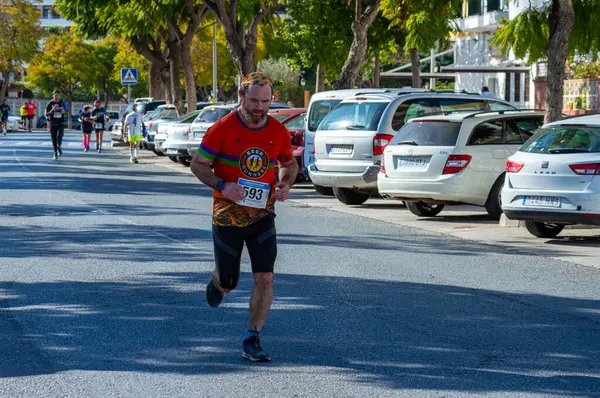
(54, 136)
(60, 135)
(262, 247)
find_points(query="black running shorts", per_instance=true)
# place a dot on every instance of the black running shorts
(261, 241)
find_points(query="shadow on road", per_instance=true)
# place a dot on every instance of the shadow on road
(395, 335)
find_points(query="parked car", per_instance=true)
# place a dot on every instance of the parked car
(293, 120)
(12, 123)
(163, 114)
(454, 159)
(350, 141)
(116, 132)
(113, 117)
(172, 137)
(279, 105)
(75, 123)
(41, 122)
(552, 181)
(206, 118)
(319, 106)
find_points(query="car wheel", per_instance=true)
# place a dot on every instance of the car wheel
(183, 161)
(494, 202)
(542, 229)
(350, 196)
(325, 191)
(173, 159)
(422, 209)
(158, 153)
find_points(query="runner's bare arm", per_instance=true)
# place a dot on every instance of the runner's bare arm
(288, 172)
(201, 168)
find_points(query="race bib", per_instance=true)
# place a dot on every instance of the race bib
(57, 115)
(99, 126)
(257, 193)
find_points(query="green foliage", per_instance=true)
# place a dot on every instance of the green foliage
(424, 25)
(203, 62)
(127, 57)
(63, 64)
(589, 70)
(318, 32)
(20, 31)
(280, 70)
(528, 34)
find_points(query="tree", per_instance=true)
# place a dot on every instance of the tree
(201, 52)
(127, 57)
(240, 22)
(553, 31)
(426, 25)
(62, 65)
(308, 41)
(102, 70)
(279, 69)
(20, 31)
(358, 49)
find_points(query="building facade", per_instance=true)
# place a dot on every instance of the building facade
(478, 64)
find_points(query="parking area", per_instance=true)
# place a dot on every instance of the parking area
(577, 244)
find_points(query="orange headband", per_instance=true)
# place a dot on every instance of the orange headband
(256, 78)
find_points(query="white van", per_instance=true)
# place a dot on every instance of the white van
(319, 106)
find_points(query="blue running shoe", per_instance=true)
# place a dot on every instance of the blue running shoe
(253, 350)
(213, 295)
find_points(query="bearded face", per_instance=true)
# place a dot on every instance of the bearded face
(255, 104)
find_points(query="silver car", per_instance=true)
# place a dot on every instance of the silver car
(350, 141)
(164, 113)
(206, 118)
(172, 137)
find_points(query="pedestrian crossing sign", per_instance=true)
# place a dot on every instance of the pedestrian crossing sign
(129, 76)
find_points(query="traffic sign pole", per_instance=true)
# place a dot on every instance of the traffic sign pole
(128, 93)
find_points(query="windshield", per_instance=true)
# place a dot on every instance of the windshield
(354, 116)
(428, 134)
(187, 118)
(211, 115)
(318, 111)
(280, 117)
(564, 139)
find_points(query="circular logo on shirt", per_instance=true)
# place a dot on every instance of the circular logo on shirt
(254, 163)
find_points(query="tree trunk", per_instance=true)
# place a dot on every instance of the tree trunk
(189, 78)
(376, 71)
(416, 68)
(106, 95)
(154, 81)
(320, 86)
(561, 23)
(165, 76)
(175, 66)
(240, 42)
(4, 85)
(358, 50)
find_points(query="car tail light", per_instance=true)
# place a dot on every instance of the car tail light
(150, 125)
(190, 131)
(586, 168)
(456, 164)
(382, 169)
(380, 142)
(513, 167)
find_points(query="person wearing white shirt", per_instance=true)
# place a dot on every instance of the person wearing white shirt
(133, 131)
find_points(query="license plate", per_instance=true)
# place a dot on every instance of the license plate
(541, 201)
(198, 135)
(412, 162)
(341, 150)
(172, 152)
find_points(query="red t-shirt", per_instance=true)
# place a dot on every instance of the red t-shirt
(239, 152)
(30, 108)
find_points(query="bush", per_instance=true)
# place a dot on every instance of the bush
(589, 70)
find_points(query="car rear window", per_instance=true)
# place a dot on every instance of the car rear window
(318, 111)
(166, 114)
(354, 116)
(461, 104)
(428, 134)
(279, 117)
(564, 139)
(211, 115)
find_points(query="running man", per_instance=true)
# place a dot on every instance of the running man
(100, 117)
(31, 108)
(133, 131)
(55, 114)
(243, 148)
(4, 110)
(85, 118)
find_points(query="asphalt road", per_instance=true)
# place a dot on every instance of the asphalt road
(103, 266)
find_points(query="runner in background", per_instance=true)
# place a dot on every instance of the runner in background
(85, 118)
(100, 118)
(31, 108)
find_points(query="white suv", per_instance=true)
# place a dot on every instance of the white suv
(454, 158)
(350, 141)
(554, 178)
